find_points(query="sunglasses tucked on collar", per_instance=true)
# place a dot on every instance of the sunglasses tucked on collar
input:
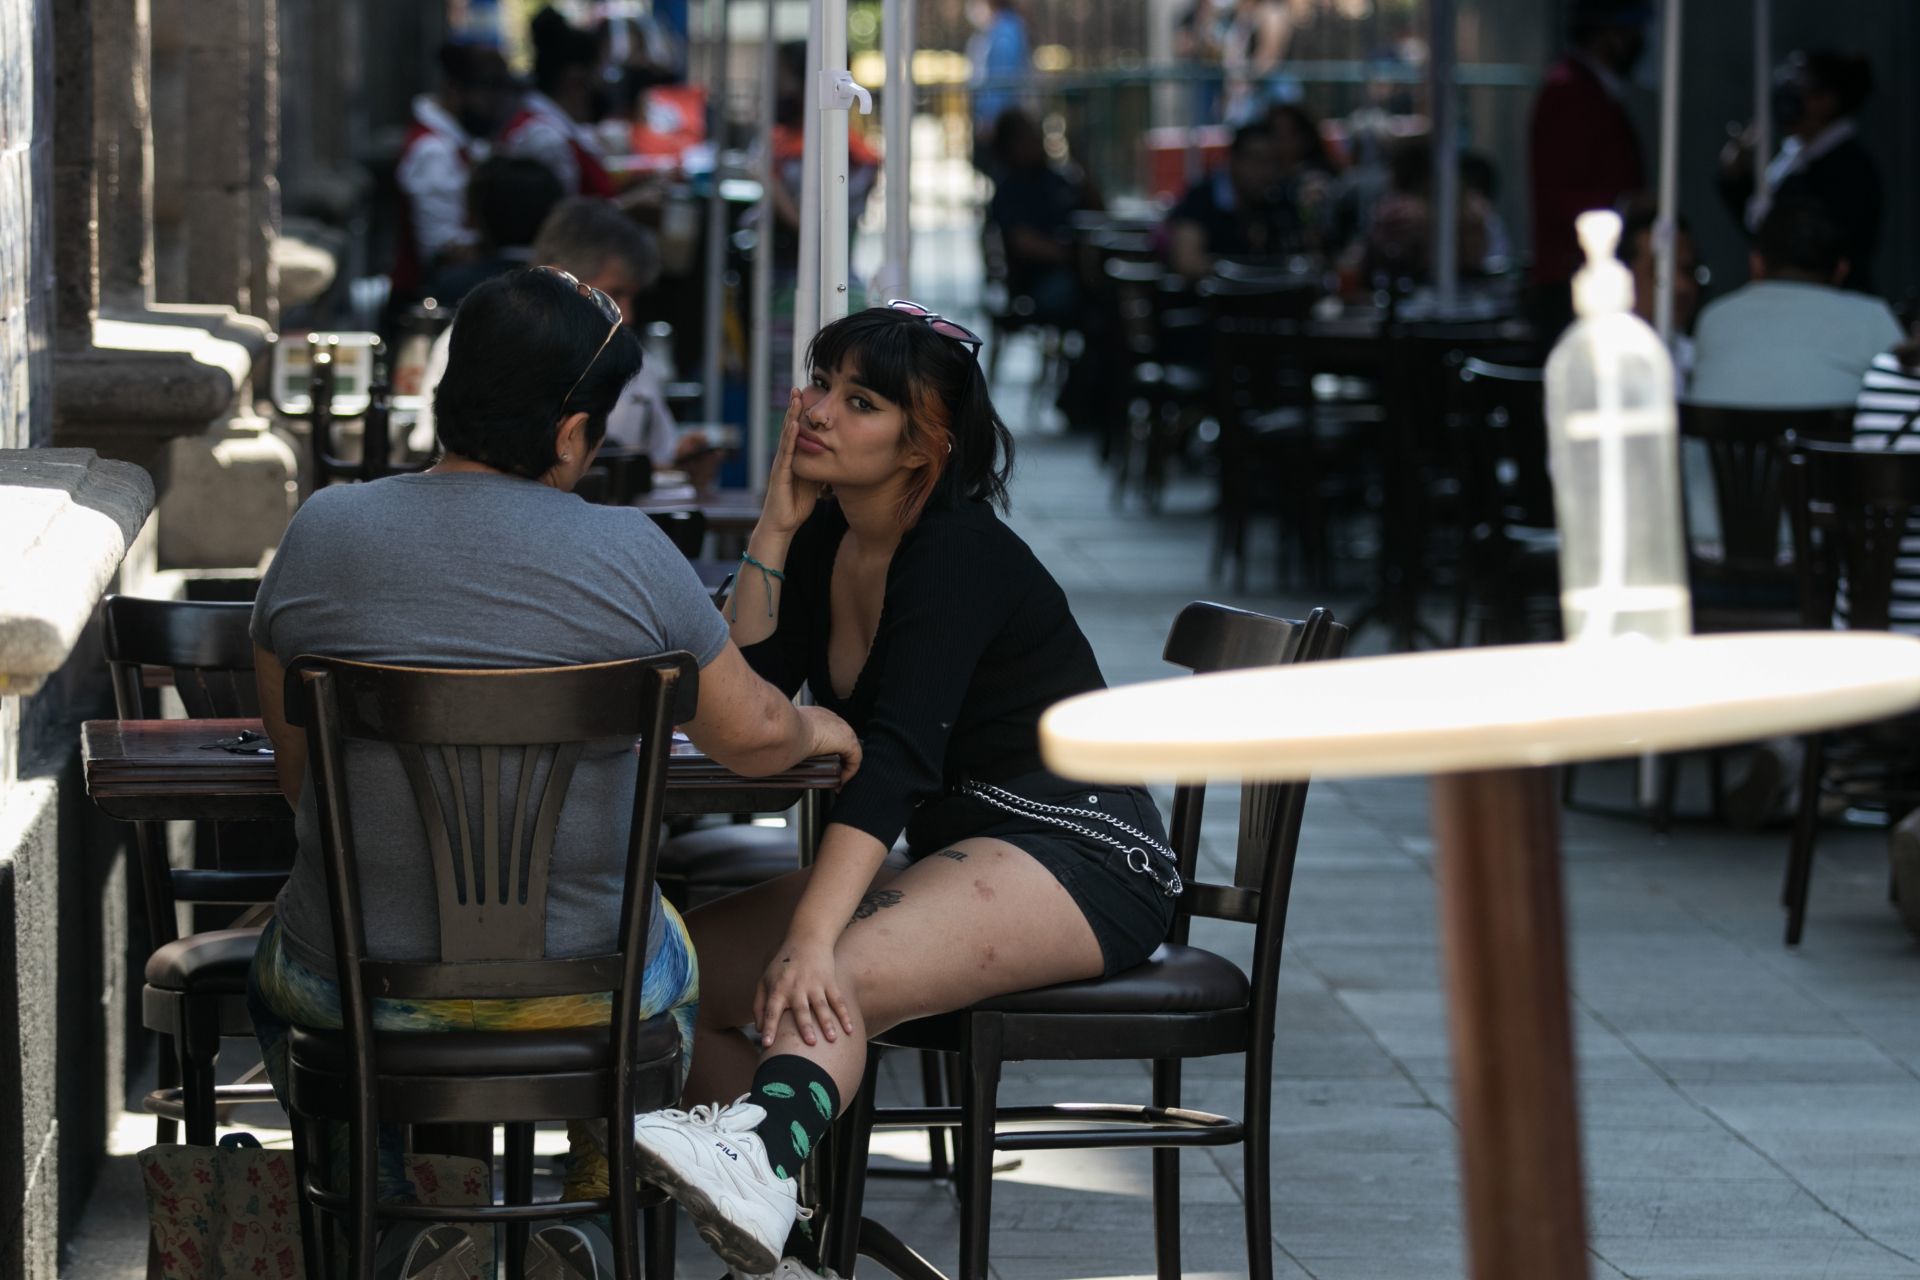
(608, 308)
(940, 324)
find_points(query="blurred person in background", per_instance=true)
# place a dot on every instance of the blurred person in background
(507, 201)
(1000, 55)
(1235, 211)
(449, 134)
(606, 250)
(1307, 172)
(1821, 158)
(1251, 50)
(1199, 35)
(1582, 149)
(555, 121)
(1032, 211)
(1795, 337)
(1399, 239)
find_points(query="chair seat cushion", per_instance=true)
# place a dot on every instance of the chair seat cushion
(485, 1053)
(215, 962)
(1174, 979)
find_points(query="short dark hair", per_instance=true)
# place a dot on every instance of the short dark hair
(1848, 76)
(519, 342)
(1800, 235)
(509, 198)
(582, 232)
(937, 380)
(1639, 220)
(1248, 134)
(559, 46)
(469, 65)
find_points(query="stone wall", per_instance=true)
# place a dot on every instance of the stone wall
(26, 269)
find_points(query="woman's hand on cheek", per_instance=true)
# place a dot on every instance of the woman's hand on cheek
(789, 500)
(803, 980)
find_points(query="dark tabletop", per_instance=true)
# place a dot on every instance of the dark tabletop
(160, 770)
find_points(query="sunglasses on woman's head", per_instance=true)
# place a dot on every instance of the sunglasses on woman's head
(938, 323)
(608, 308)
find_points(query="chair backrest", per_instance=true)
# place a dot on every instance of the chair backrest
(1746, 451)
(1504, 481)
(1852, 509)
(1254, 324)
(1213, 637)
(490, 852)
(687, 529)
(205, 649)
(205, 645)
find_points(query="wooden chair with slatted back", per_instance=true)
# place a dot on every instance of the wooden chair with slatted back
(1184, 1002)
(471, 745)
(195, 992)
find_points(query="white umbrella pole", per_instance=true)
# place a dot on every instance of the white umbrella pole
(1762, 89)
(1669, 169)
(760, 377)
(716, 294)
(806, 290)
(1442, 59)
(897, 40)
(834, 232)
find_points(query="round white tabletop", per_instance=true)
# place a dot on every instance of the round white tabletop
(1468, 709)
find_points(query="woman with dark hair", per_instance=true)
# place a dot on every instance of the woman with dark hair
(881, 577)
(554, 122)
(489, 560)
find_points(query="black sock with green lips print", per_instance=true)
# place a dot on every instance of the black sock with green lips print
(800, 1102)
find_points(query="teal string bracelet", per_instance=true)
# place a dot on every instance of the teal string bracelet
(770, 575)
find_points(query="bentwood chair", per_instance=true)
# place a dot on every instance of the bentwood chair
(490, 757)
(1855, 512)
(1184, 1002)
(1509, 577)
(195, 990)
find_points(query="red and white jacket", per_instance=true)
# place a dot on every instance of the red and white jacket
(543, 131)
(432, 175)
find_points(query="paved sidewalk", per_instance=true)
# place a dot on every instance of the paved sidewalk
(1750, 1113)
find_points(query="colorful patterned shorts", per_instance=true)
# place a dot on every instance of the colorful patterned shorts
(283, 993)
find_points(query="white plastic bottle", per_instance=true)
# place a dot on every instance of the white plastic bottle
(1614, 451)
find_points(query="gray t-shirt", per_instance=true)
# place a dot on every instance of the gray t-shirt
(473, 569)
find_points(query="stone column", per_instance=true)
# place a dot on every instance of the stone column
(263, 158)
(76, 276)
(168, 118)
(218, 169)
(123, 151)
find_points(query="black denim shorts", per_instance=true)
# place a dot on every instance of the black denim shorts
(1127, 911)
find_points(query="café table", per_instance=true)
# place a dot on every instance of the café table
(1484, 722)
(732, 512)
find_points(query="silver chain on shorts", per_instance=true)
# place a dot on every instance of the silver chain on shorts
(1166, 879)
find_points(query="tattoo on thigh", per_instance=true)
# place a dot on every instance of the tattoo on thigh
(958, 855)
(878, 900)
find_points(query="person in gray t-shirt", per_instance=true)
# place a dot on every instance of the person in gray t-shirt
(489, 560)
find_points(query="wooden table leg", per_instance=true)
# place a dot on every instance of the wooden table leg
(1503, 935)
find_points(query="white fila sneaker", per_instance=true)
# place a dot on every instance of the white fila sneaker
(712, 1162)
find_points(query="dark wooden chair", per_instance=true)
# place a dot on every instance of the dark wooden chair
(1184, 1002)
(1258, 392)
(1508, 583)
(1852, 509)
(480, 725)
(195, 990)
(617, 476)
(1743, 580)
(686, 529)
(1162, 332)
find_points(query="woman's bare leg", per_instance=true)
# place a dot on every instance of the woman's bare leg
(978, 919)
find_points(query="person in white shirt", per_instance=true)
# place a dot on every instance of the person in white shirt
(1794, 338)
(551, 126)
(447, 137)
(604, 248)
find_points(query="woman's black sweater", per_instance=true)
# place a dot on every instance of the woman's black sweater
(975, 641)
